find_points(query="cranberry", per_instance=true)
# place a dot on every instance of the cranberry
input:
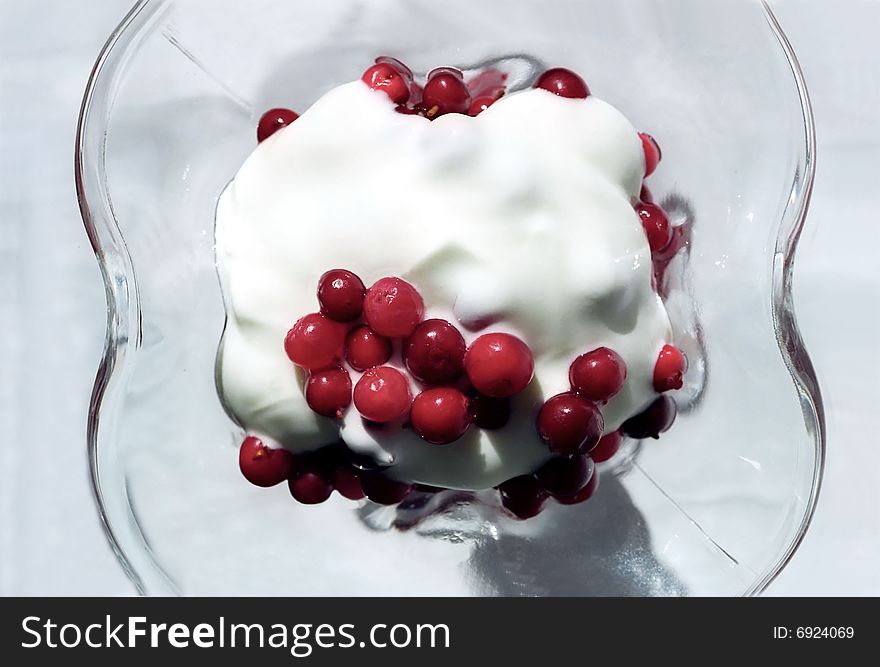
(272, 121)
(341, 295)
(382, 394)
(570, 424)
(652, 153)
(347, 481)
(669, 369)
(390, 80)
(382, 490)
(440, 416)
(562, 476)
(584, 494)
(646, 195)
(607, 447)
(261, 465)
(480, 104)
(656, 226)
(393, 307)
(523, 496)
(489, 413)
(445, 92)
(499, 365)
(563, 82)
(364, 348)
(657, 419)
(315, 342)
(328, 392)
(598, 375)
(434, 352)
(310, 483)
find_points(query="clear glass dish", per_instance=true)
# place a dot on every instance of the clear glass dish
(716, 507)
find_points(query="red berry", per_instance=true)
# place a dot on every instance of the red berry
(382, 394)
(315, 342)
(656, 226)
(584, 494)
(390, 80)
(440, 416)
(445, 92)
(347, 481)
(341, 295)
(489, 413)
(311, 483)
(563, 476)
(657, 419)
(480, 104)
(393, 307)
(652, 153)
(261, 465)
(272, 121)
(646, 195)
(598, 375)
(607, 447)
(570, 424)
(499, 365)
(670, 369)
(563, 82)
(523, 496)
(364, 348)
(434, 352)
(383, 490)
(328, 392)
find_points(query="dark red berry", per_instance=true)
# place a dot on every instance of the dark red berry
(646, 195)
(440, 416)
(563, 476)
(382, 490)
(310, 483)
(382, 394)
(480, 104)
(272, 121)
(584, 494)
(393, 307)
(607, 447)
(670, 369)
(347, 481)
(499, 365)
(652, 153)
(261, 465)
(657, 419)
(328, 392)
(390, 80)
(434, 352)
(341, 295)
(570, 424)
(489, 413)
(522, 496)
(598, 375)
(364, 348)
(563, 82)
(445, 92)
(656, 226)
(315, 342)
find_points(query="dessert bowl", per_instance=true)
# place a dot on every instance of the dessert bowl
(716, 507)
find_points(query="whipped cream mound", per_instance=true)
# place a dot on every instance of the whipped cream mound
(520, 220)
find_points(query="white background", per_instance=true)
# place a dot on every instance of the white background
(52, 308)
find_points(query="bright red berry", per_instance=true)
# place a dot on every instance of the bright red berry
(670, 369)
(261, 465)
(347, 481)
(584, 494)
(570, 424)
(657, 419)
(393, 307)
(564, 476)
(328, 392)
(563, 82)
(445, 92)
(489, 413)
(272, 121)
(434, 352)
(341, 295)
(653, 154)
(656, 226)
(382, 490)
(522, 496)
(597, 375)
(390, 80)
(441, 415)
(607, 447)
(315, 342)
(480, 104)
(364, 348)
(499, 365)
(382, 394)
(311, 483)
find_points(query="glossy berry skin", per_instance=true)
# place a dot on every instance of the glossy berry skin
(584, 494)
(563, 476)
(652, 153)
(657, 419)
(480, 104)
(272, 121)
(440, 416)
(598, 375)
(670, 369)
(346, 480)
(382, 490)
(328, 392)
(656, 226)
(315, 342)
(393, 308)
(489, 413)
(499, 365)
(390, 80)
(569, 424)
(563, 82)
(364, 348)
(382, 395)
(522, 496)
(341, 295)
(261, 465)
(607, 447)
(311, 483)
(445, 92)
(434, 352)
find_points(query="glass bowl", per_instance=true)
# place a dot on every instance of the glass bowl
(716, 507)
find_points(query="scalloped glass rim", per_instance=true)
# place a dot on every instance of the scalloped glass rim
(124, 315)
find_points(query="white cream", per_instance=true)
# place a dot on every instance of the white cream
(523, 213)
